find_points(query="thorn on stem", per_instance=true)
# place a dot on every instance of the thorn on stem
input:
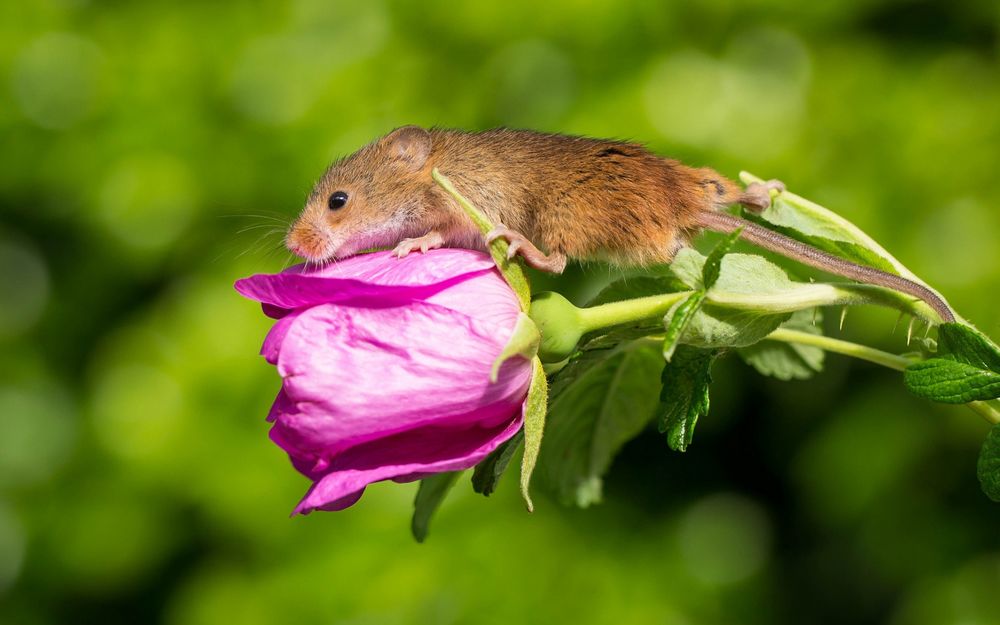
(896, 325)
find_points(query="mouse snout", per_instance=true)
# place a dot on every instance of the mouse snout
(306, 241)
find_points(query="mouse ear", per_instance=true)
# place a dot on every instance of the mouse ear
(410, 144)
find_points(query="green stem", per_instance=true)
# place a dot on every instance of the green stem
(870, 354)
(627, 311)
(803, 297)
(822, 294)
(986, 411)
(838, 346)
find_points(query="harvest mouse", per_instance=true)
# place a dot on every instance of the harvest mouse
(573, 197)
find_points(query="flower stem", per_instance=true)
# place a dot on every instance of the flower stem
(838, 346)
(615, 313)
(806, 296)
(870, 354)
(986, 411)
(822, 294)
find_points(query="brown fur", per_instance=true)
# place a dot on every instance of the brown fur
(589, 199)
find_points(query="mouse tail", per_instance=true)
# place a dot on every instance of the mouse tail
(726, 223)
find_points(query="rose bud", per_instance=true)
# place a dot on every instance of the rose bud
(385, 367)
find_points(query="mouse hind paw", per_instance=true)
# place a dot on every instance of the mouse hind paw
(757, 196)
(520, 245)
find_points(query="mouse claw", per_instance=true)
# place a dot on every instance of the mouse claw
(500, 232)
(520, 245)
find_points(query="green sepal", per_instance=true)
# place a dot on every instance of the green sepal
(430, 494)
(535, 407)
(684, 394)
(988, 466)
(512, 269)
(523, 342)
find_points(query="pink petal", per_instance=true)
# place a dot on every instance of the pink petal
(369, 275)
(355, 374)
(408, 455)
(383, 268)
(276, 336)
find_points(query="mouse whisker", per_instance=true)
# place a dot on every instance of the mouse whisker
(259, 215)
(258, 227)
(256, 245)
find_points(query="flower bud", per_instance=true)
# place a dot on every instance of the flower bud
(386, 368)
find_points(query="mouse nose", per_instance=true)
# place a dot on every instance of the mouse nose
(294, 243)
(306, 244)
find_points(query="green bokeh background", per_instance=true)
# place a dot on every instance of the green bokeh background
(152, 152)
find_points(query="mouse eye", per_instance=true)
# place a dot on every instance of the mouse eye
(337, 200)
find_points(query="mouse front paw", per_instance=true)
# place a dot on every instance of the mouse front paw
(430, 241)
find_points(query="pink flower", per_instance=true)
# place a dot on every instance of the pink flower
(385, 368)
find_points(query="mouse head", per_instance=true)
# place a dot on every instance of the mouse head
(373, 198)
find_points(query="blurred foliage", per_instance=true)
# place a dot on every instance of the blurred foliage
(153, 152)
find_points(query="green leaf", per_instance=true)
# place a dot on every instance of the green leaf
(602, 398)
(487, 473)
(535, 407)
(678, 320)
(806, 221)
(788, 361)
(847, 250)
(951, 382)
(431, 493)
(715, 327)
(512, 270)
(967, 344)
(684, 394)
(966, 368)
(681, 315)
(739, 274)
(988, 466)
(713, 264)
(742, 276)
